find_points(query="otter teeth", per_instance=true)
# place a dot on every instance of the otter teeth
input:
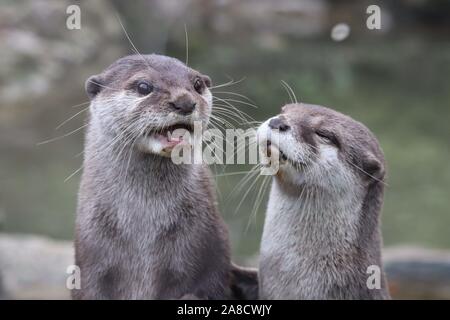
(172, 138)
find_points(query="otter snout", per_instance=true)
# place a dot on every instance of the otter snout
(279, 124)
(183, 105)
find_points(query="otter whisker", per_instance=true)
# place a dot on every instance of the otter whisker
(110, 145)
(73, 174)
(127, 140)
(255, 122)
(238, 113)
(98, 154)
(118, 141)
(240, 117)
(218, 108)
(240, 102)
(259, 198)
(114, 142)
(231, 174)
(222, 120)
(132, 147)
(242, 113)
(235, 94)
(243, 146)
(187, 44)
(72, 117)
(290, 91)
(131, 42)
(251, 174)
(214, 144)
(227, 84)
(232, 115)
(223, 116)
(217, 146)
(289, 94)
(81, 104)
(246, 193)
(368, 174)
(63, 136)
(215, 123)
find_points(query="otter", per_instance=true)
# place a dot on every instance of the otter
(147, 228)
(321, 232)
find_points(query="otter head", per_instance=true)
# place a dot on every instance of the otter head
(141, 99)
(322, 149)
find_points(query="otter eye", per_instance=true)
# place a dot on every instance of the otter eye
(198, 85)
(327, 137)
(144, 88)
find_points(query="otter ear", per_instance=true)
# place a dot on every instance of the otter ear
(373, 167)
(93, 86)
(207, 81)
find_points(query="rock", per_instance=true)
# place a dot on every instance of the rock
(33, 267)
(2, 290)
(418, 273)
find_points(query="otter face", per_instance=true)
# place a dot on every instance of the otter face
(142, 99)
(322, 148)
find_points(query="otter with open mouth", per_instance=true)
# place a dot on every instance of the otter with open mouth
(147, 228)
(321, 234)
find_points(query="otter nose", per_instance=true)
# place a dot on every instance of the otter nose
(279, 124)
(183, 106)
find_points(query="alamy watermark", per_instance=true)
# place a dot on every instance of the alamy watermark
(373, 22)
(374, 279)
(341, 31)
(73, 21)
(73, 281)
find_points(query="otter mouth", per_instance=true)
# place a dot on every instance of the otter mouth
(283, 158)
(271, 147)
(162, 140)
(168, 130)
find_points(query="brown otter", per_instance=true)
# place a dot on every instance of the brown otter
(321, 232)
(148, 228)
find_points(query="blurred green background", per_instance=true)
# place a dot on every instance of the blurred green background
(395, 80)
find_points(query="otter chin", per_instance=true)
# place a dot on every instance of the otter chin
(322, 232)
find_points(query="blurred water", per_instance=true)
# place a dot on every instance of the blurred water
(396, 84)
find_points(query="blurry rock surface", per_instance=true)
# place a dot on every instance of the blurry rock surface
(34, 267)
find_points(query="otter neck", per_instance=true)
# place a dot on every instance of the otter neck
(322, 241)
(317, 218)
